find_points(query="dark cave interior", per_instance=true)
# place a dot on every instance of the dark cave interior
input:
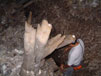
(79, 17)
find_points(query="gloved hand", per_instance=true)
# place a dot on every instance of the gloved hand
(62, 67)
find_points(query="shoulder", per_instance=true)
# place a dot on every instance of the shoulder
(81, 43)
(79, 40)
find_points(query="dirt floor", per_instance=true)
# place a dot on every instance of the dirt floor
(79, 18)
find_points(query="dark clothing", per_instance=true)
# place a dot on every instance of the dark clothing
(68, 71)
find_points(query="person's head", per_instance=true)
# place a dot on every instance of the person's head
(74, 42)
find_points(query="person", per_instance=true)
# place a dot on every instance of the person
(75, 57)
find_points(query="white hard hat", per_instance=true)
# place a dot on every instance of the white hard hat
(73, 37)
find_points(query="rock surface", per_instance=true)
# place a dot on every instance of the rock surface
(67, 17)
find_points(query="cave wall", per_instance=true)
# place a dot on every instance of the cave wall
(82, 18)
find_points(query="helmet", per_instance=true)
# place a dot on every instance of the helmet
(73, 36)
